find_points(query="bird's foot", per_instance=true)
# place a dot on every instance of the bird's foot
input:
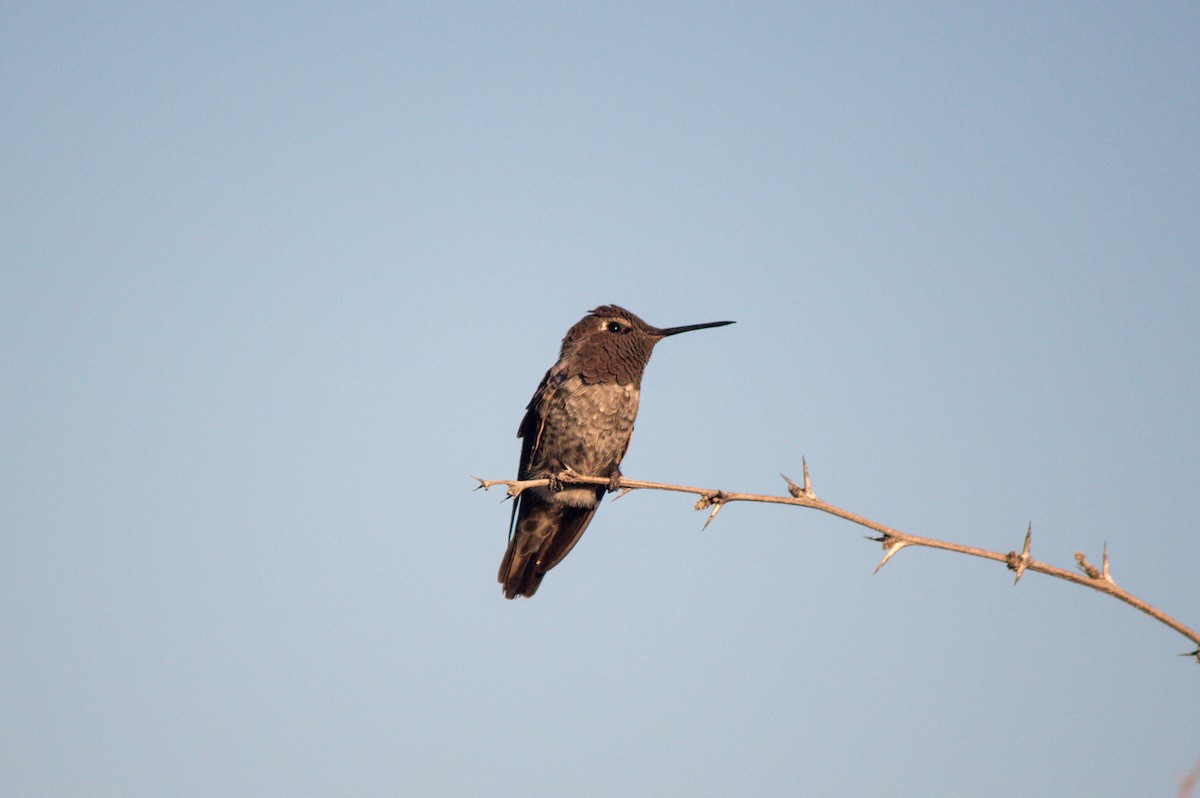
(614, 480)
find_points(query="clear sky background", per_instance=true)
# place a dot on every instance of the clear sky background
(277, 279)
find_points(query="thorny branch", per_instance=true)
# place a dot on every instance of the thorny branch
(892, 540)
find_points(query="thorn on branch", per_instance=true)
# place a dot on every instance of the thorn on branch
(891, 545)
(1018, 562)
(716, 509)
(795, 490)
(714, 499)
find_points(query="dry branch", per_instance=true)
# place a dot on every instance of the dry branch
(892, 540)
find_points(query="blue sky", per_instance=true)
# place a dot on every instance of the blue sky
(278, 279)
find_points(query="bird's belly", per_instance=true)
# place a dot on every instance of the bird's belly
(588, 431)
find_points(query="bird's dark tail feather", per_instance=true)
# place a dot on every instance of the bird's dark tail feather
(519, 575)
(543, 534)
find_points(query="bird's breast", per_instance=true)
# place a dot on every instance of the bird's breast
(587, 427)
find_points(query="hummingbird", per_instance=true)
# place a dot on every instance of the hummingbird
(580, 418)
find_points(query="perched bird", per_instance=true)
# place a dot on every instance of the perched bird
(580, 418)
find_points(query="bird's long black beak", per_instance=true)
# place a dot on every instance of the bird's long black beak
(690, 327)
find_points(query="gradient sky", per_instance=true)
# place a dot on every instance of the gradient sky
(277, 279)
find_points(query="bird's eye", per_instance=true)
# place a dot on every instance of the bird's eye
(614, 327)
